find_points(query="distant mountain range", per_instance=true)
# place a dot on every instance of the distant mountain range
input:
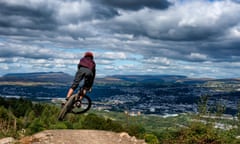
(53, 77)
(140, 79)
(60, 77)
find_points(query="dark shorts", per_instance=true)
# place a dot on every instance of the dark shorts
(83, 74)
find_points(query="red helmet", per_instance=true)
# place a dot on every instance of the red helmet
(88, 54)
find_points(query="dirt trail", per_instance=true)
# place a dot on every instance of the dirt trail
(80, 137)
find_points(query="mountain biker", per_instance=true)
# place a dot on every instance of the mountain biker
(86, 71)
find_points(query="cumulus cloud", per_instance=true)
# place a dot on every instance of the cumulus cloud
(144, 36)
(158, 60)
(198, 56)
(195, 20)
(112, 55)
(136, 4)
(35, 15)
(13, 50)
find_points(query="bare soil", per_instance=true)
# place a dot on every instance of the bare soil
(80, 137)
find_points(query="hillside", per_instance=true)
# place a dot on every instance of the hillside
(149, 94)
(43, 77)
(36, 123)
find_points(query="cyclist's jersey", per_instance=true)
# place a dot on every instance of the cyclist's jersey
(87, 62)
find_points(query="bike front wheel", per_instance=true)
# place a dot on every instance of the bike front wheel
(82, 106)
(66, 108)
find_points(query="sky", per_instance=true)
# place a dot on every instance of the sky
(195, 38)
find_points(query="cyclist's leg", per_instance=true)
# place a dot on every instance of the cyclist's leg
(77, 79)
(88, 78)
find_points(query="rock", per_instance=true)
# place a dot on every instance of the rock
(80, 137)
(7, 140)
(124, 135)
(38, 137)
(42, 136)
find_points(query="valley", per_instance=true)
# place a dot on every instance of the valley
(159, 95)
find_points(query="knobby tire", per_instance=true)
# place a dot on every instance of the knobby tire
(66, 108)
(86, 101)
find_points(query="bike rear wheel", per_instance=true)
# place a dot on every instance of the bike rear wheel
(66, 108)
(85, 105)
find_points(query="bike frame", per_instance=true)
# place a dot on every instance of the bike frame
(72, 107)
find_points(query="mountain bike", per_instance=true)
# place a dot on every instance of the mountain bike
(77, 104)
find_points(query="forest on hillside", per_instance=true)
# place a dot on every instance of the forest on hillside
(20, 117)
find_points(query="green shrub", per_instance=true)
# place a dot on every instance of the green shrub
(36, 126)
(151, 139)
(92, 121)
(59, 125)
(136, 130)
(199, 133)
(113, 126)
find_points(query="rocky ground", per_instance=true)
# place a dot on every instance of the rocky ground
(75, 137)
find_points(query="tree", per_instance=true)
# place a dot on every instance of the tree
(220, 108)
(202, 105)
(8, 122)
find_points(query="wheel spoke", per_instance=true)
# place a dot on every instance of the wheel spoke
(85, 106)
